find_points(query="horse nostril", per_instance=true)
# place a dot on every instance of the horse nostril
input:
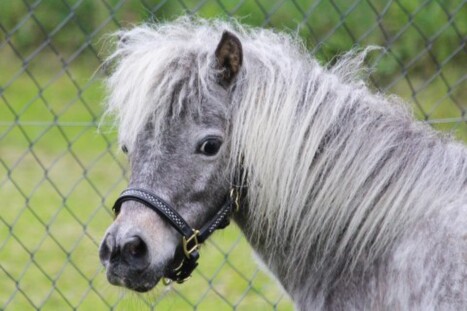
(106, 249)
(135, 252)
(135, 247)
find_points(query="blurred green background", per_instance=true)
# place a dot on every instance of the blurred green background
(59, 173)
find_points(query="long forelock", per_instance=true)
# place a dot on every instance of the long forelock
(159, 71)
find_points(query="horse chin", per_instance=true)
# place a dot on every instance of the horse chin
(143, 288)
(140, 282)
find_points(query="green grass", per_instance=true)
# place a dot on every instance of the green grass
(59, 174)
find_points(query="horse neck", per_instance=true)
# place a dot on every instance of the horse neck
(364, 173)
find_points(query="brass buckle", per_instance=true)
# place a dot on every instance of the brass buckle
(187, 249)
(235, 199)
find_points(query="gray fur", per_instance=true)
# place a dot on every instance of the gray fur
(351, 204)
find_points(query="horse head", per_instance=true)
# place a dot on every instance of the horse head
(178, 157)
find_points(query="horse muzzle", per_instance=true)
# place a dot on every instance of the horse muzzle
(127, 262)
(191, 238)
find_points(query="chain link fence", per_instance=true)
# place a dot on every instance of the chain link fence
(59, 173)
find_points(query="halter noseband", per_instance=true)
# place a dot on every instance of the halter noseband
(191, 238)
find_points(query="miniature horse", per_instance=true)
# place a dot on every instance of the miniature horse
(347, 200)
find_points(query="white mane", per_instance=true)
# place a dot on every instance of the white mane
(320, 147)
(149, 63)
(333, 169)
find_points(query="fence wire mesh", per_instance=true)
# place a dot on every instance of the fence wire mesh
(59, 174)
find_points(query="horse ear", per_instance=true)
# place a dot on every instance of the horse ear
(229, 57)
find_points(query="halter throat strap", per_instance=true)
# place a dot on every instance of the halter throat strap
(191, 238)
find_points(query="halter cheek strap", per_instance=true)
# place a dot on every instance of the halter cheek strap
(191, 238)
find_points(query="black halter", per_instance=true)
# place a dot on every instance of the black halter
(191, 238)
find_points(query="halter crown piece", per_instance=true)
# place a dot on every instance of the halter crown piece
(191, 238)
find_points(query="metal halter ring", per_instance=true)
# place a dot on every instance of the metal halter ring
(235, 199)
(166, 281)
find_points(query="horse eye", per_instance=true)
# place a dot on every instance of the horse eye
(210, 146)
(124, 149)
